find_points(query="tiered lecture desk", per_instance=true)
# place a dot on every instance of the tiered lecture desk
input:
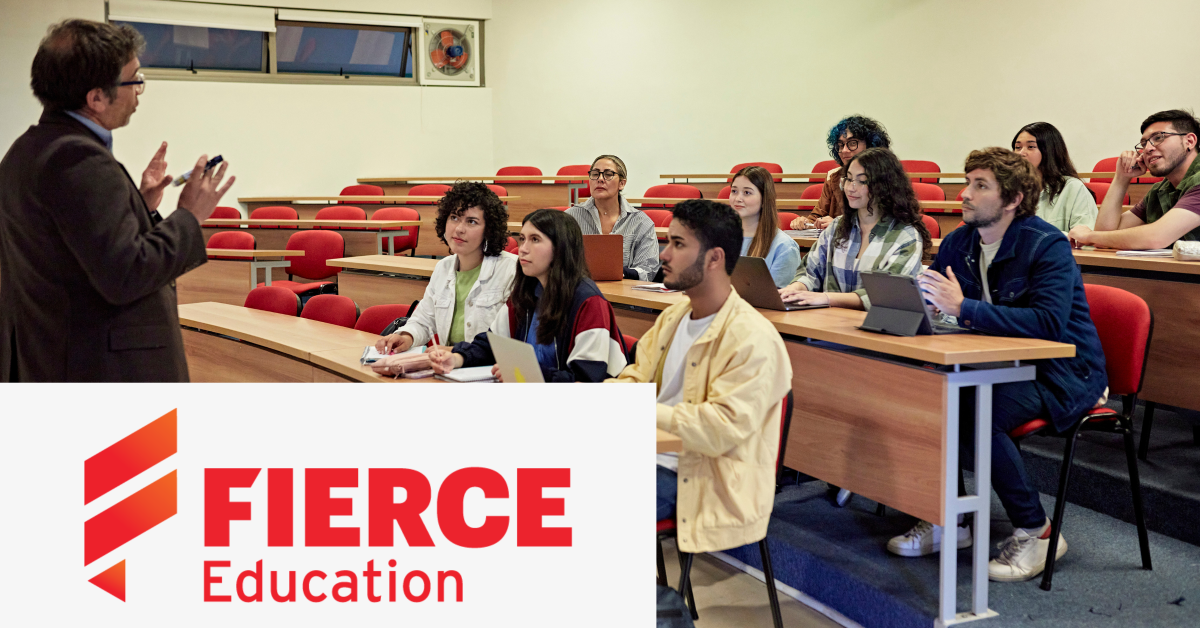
(362, 237)
(552, 191)
(229, 281)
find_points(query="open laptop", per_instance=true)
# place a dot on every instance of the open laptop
(898, 307)
(752, 280)
(605, 256)
(516, 359)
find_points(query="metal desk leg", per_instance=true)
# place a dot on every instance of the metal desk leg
(267, 266)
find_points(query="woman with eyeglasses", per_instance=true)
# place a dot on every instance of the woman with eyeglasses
(1065, 201)
(752, 196)
(880, 230)
(607, 212)
(846, 139)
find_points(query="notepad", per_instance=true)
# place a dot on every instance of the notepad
(654, 287)
(1145, 253)
(803, 233)
(372, 355)
(469, 374)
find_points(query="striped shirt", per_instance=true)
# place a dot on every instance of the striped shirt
(893, 248)
(639, 240)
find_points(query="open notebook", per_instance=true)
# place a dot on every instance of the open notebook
(469, 374)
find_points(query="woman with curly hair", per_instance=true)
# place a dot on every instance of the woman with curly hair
(470, 285)
(1065, 201)
(880, 230)
(847, 138)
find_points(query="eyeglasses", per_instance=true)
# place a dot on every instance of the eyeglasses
(595, 175)
(850, 183)
(139, 85)
(850, 144)
(1154, 140)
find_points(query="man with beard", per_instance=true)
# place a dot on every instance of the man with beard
(722, 371)
(1170, 211)
(1010, 273)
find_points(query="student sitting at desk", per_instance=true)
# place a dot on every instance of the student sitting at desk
(752, 196)
(1065, 201)
(880, 231)
(849, 137)
(721, 371)
(606, 212)
(468, 286)
(1010, 273)
(553, 306)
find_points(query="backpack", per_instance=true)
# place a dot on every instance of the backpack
(400, 322)
(672, 612)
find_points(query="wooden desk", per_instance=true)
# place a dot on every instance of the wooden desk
(362, 237)
(553, 191)
(805, 242)
(229, 281)
(668, 442)
(405, 280)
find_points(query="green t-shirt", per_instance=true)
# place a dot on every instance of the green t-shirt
(463, 282)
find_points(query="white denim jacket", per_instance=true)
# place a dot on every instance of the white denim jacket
(435, 314)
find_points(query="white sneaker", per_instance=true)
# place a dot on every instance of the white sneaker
(925, 539)
(1022, 557)
(843, 498)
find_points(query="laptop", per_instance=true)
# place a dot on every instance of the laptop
(516, 359)
(605, 256)
(898, 308)
(752, 280)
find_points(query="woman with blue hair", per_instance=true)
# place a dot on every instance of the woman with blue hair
(849, 137)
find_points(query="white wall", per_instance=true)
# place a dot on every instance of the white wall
(700, 85)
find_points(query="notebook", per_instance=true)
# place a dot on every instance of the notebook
(470, 374)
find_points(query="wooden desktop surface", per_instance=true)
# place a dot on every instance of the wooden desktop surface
(404, 265)
(822, 175)
(370, 225)
(381, 181)
(392, 199)
(254, 253)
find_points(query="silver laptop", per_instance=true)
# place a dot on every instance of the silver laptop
(752, 280)
(898, 308)
(517, 361)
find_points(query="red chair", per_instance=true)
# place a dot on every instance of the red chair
(959, 197)
(917, 165)
(362, 190)
(785, 220)
(230, 240)
(931, 224)
(1125, 325)
(561, 208)
(427, 189)
(516, 171)
(498, 190)
(630, 348)
(671, 190)
(823, 166)
(274, 299)
(512, 245)
(400, 243)
(661, 217)
(374, 319)
(724, 193)
(929, 192)
(319, 247)
(582, 172)
(226, 213)
(341, 212)
(331, 308)
(1108, 164)
(769, 167)
(1100, 190)
(812, 192)
(666, 529)
(274, 212)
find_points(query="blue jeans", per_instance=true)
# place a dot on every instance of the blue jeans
(1012, 405)
(668, 484)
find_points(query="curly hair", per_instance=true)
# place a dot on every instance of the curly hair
(467, 194)
(891, 192)
(862, 127)
(1014, 174)
(768, 216)
(1056, 163)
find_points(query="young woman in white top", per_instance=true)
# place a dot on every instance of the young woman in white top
(1065, 200)
(752, 196)
(470, 285)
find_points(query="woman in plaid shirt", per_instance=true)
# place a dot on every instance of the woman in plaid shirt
(881, 230)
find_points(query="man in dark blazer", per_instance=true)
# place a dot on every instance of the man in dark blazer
(87, 265)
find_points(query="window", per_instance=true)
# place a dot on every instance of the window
(336, 49)
(201, 48)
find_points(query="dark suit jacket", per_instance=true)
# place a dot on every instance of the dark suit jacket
(87, 271)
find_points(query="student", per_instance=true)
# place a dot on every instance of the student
(847, 138)
(606, 211)
(553, 306)
(1065, 201)
(752, 196)
(722, 372)
(1170, 211)
(1010, 273)
(880, 231)
(467, 287)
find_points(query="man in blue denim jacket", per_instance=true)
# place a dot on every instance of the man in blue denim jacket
(1010, 273)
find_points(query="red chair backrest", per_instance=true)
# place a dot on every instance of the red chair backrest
(1100, 190)
(931, 224)
(376, 317)
(1108, 164)
(334, 309)
(959, 197)
(561, 208)
(226, 213)
(512, 245)
(671, 190)
(823, 166)
(918, 165)
(498, 190)
(319, 247)
(427, 189)
(785, 220)
(768, 166)
(230, 240)
(274, 299)
(341, 212)
(1125, 325)
(582, 172)
(362, 190)
(661, 217)
(929, 192)
(724, 193)
(274, 212)
(811, 192)
(402, 243)
(516, 171)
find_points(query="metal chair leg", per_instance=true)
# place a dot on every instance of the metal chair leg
(685, 584)
(1135, 484)
(1059, 506)
(1147, 423)
(662, 566)
(769, 573)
